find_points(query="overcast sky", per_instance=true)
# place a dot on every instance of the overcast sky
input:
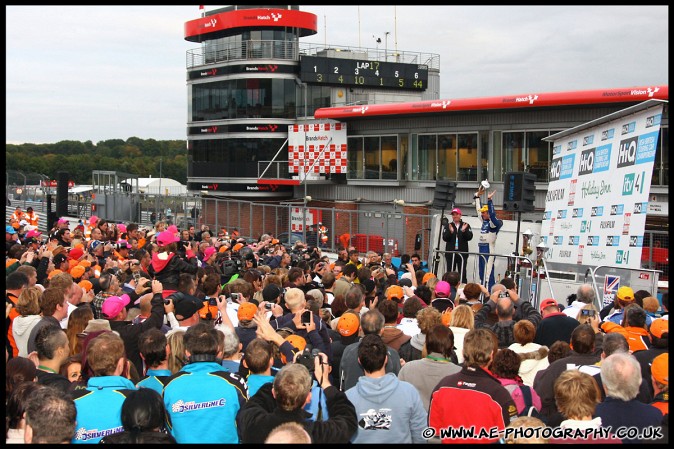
(114, 72)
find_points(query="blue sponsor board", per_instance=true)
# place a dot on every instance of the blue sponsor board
(646, 147)
(627, 152)
(558, 240)
(587, 140)
(577, 212)
(653, 120)
(585, 226)
(571, 145)
(592, 240)
(597, 211)
(561, 213)
(607, 134)
(574, 240)
(629, 128)
(640, 208)
(567, 166)
(617, 209)
(602, 158)
(586, 163)
(612, 240)
(547, 215)
(636, 241)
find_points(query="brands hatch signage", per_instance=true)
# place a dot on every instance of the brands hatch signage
(231, 187)
(240, 128)
(241, 68)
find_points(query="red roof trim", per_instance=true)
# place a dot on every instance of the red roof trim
(532, 100)
(198, 30)
(283, 182)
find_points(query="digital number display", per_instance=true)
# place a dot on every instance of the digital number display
(356, 72)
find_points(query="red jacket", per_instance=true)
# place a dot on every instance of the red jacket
(470, 398)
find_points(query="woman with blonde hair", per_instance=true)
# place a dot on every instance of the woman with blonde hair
(584, 314)
(176, 359)
(28, 307)
(463, 320)
(77, 322)
(576, 396)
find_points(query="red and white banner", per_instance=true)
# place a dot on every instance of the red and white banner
(307, 147)
(313, 217)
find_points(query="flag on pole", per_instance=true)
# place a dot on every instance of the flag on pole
(201, 9)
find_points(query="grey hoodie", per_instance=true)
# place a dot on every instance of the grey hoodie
(21, 330)
(389, 411)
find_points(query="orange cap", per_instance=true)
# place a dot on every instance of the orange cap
(426, 277)
(237, 247)
(77, 271)
(223, 248)
(659, 327)
(85, 263)
(54, 273)
(395, 291)
(660, 368)
(246, 311)
(85, 284)
(297, 341)
(348, 324)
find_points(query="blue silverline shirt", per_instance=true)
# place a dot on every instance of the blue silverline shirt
(155, 379)
(202, 400)
(99, 408)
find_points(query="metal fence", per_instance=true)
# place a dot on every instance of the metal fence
(383, 230)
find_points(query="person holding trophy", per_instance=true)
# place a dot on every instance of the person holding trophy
(488, 233)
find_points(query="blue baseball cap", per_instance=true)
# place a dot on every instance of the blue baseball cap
(10, 230)
(95, 244)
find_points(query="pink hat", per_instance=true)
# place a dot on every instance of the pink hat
(172, 229)
(31, 234)
(63, 220)
(121, 227)
(208, 252)
(442, 289)
(92, 220)
(114, 304)
(456, 210)
(166, 238)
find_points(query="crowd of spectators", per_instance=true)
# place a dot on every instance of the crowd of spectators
(117, 333)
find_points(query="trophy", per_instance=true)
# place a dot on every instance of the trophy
(485, 185)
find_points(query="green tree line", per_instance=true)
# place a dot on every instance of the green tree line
(135, 156)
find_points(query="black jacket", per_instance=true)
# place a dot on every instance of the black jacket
(170, 274)
(557, 326)
(131, 332)
(260, 415)
(464, 236)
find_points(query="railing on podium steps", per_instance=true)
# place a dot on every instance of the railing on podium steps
(513, 265)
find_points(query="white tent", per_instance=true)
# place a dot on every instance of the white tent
(163, 186)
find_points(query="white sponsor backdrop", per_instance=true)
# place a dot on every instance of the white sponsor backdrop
(595, 209)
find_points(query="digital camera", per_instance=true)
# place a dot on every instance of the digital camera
(307, 358)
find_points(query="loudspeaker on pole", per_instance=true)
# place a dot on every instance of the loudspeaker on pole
(62, 193)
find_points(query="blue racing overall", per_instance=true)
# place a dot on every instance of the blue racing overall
(487, 241)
